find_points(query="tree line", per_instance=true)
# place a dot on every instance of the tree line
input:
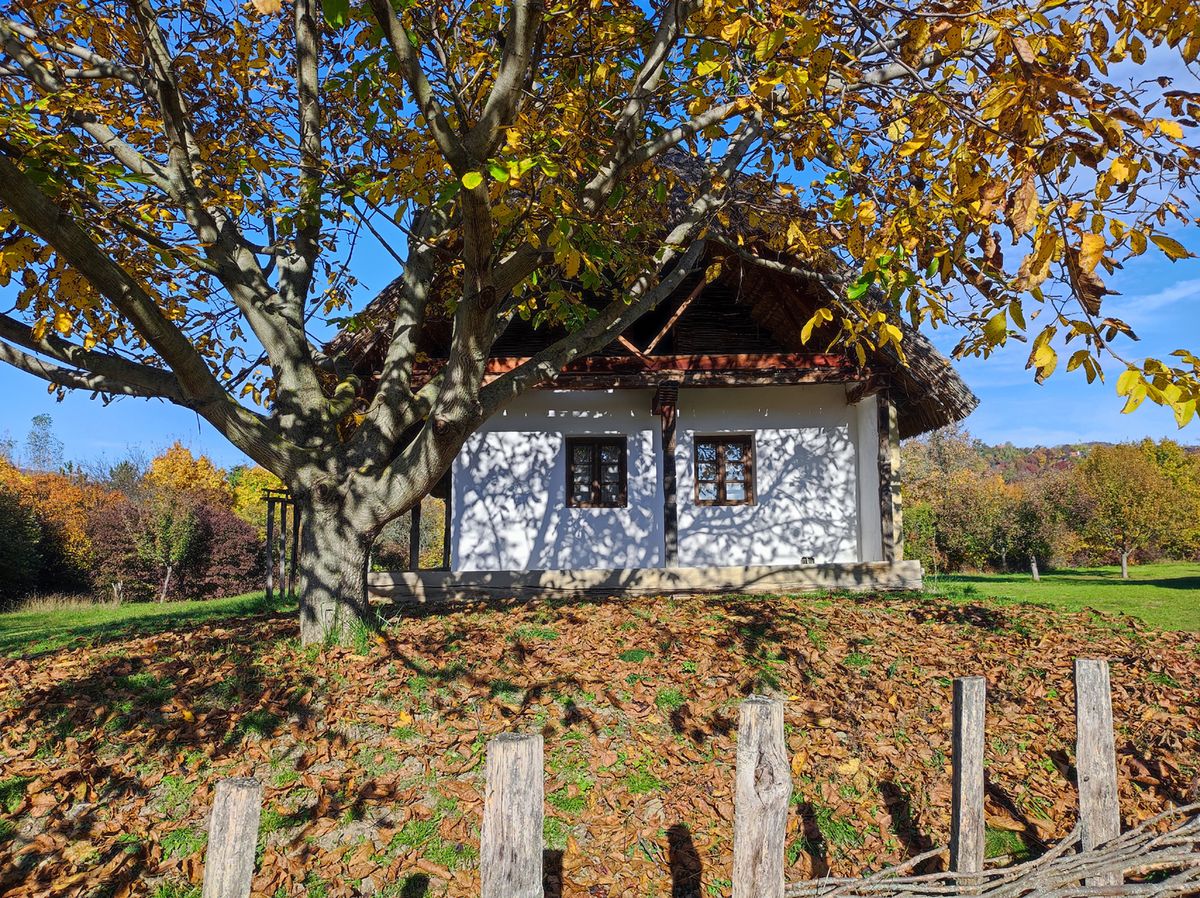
(970, 506)
(173, 526)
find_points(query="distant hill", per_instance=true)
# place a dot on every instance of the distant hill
(1017, 463)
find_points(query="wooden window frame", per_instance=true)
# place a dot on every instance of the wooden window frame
(596, 443)
(746, 441)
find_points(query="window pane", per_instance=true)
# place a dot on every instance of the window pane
(610, 453)
(735, 492)
(582, 455)
(733, 452)
(611, 473)
(708, 492)
(707, 471)
(582, 473)
(610, 494)
(735, 471)
(706, 452)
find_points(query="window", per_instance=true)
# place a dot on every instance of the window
(724, 470)
(596, 472)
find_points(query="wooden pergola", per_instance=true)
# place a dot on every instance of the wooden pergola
(283, 543)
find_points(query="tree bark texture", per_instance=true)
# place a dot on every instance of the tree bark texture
(333, 573)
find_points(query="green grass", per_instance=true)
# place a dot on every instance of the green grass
(36, 632)
(1163, 595)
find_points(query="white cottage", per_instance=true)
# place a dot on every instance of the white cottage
(704, 450)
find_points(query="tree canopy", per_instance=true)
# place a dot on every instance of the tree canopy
(183, 187)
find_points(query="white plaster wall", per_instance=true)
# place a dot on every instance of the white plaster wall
(805, 480)
(869, 514)
(510, 483)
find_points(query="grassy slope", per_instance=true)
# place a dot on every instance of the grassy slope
(372, 759)
(1163, 595)
(38, 631)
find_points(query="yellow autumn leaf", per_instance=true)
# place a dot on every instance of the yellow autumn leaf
(1129, 378)
(769, 45)
(1170, 128)
(850, 767)
(1091, 250)
(1024, 207)
(268, 7)
(62, 321)
(1173, 249)
(996, 329)
(574, 260)
(472, 179)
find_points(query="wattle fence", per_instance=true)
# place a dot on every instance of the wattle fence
(1159, 858)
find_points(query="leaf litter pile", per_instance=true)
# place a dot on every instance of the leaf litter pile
(372, 757)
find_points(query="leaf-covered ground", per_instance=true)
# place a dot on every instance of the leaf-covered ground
(372, 757)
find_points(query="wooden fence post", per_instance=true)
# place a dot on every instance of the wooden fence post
(967, 823)
(510, 843)
(1096, 761)
(270, 548)
(232, 838)
(764, 785)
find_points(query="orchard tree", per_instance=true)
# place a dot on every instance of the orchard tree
(1124, 501)
(183, 186)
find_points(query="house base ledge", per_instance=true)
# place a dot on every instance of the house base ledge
(430, 586)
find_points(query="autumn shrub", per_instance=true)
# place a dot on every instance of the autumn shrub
(62, 505)
(120, 572)
(228, 557)
(20, 558)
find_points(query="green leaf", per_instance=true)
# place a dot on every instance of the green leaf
(996, 329)
(472, 179)
(858, 289)
(337, 12)
(769, 45)
(498, 171)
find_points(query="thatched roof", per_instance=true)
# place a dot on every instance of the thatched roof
(749, 308)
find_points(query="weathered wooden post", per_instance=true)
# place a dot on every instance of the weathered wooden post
(283, 547)
(510, 843)
(295, 548)
(1096, 761)
(270, 547)
(764, 785)
(232, 838)
(967, 822)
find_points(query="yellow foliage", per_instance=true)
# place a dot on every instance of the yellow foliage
(248, 486)
(63, 505)
(177, 472)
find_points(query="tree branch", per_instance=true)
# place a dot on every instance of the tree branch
(670, 27)
(154, 381)
(245, 429)
(516, 61)
(69, 378)
(447, 141)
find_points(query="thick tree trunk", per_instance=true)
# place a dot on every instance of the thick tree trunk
(1124, 565)
(333, 573)
(1033, 568)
